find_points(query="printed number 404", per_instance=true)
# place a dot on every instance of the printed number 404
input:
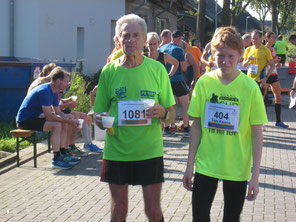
(221, 115)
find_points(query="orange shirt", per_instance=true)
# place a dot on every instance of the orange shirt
(195, 51)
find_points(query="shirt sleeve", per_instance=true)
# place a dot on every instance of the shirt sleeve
(246, 54)
(196, 101)
(45, 98)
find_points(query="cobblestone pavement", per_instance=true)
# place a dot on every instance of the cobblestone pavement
(45, 194)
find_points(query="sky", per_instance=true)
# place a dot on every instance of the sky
(252, 12)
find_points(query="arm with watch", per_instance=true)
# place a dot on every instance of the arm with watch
(271, 65)
(158, 111)
(293, 89)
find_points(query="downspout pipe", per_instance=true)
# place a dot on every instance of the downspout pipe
(11, 27)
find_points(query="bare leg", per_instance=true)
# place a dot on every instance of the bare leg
(119, 203)
(184, 100)
(152, 201)
(55, 129)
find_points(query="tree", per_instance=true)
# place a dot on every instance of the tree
(237, 8)
(226, 13)
(201, 21)
(262, 8)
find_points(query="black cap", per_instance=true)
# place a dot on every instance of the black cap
(177, 33)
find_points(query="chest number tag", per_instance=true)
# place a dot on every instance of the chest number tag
(132, 113)
(253, 69)
(220, 116)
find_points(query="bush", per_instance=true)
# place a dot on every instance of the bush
(77, 88)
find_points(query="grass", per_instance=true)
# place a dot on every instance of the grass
(8, 143)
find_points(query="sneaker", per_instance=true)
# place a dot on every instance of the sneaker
(281, 124)
(91, 148)
(76, 151)
(71, 159)
(60, 163)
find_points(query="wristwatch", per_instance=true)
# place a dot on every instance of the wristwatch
(166, 115)
(292, 89)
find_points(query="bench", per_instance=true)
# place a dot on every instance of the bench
(29, 135)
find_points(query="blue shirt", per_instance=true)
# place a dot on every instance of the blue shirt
(178, 53)
(32, 105)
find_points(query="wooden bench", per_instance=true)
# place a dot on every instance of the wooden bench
(29, 135)
(285, 91)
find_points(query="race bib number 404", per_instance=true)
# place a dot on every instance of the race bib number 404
(132, 113)
(223, 117)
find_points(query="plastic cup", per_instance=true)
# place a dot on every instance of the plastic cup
(74, 98)
(148, 103)
(107, 121)
(80, 123)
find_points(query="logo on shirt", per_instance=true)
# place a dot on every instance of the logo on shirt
(147, 94)
(224, 99)
(120, 92)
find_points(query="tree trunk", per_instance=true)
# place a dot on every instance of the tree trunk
(201, 20)
(226, 13)
(274, 16)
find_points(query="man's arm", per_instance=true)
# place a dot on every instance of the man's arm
(194, 140)
(292, 92)
(61, 118)
(175, 64)
(257, 143)
(271, 65)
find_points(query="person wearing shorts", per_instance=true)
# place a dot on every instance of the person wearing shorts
(257, 57)
(177, 79)
(273, 80)
(226, 134)
(133, 152)
(35, 113)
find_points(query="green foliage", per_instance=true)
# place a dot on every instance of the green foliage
(291, 49)
(77, 88)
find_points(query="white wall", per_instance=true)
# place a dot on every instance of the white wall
(4, 27)
(48, 29)
(59, 20)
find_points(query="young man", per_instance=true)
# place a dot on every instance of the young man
(39, 101)
(226, 133)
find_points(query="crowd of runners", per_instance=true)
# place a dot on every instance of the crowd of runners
(220, 87)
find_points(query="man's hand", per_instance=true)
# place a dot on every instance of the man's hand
(156, 111)
(98, 119)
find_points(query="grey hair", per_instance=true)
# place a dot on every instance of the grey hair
(130, 18)
(153, 35)
(246, 36)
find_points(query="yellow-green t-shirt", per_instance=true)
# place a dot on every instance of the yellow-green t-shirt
(227, 154)
(262, 56)
(146, 81)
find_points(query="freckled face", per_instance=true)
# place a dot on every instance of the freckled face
(226, 58)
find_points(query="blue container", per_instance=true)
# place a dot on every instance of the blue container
(16, 75)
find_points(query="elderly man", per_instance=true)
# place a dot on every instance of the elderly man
(133, 153)
(38, 101)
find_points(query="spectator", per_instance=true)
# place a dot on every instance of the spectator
(220, 152)
(152, 44)
(196, 42)
(39, 101)
(134, 154)
(281, 48)
(247, 40)
(179, 86)
(166, 37)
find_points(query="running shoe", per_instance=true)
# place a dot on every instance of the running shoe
(60, 163)
(91, 148)
(281, 124)
(71, 159)
(76, 151)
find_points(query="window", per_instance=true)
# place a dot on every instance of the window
(161, 24)
(80, 43)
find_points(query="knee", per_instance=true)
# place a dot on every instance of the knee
(153, 212)
(57, 127)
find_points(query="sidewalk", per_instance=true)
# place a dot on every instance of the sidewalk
(45, 194)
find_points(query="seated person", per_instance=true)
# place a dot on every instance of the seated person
(40, 101)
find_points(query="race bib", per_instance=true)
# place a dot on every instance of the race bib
(253, 69)
(132, 113)
(220, 116)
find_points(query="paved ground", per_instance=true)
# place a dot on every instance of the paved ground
(45, 194)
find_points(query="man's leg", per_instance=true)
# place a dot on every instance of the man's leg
(152, 202)
(184, 100)
(119, 202)
(55, 129)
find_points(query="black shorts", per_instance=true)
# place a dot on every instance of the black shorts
(261, 89)
(143, 172)
(32, 124)
(66, 110)
(179, 88)
(283, 58)
(272, 79)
